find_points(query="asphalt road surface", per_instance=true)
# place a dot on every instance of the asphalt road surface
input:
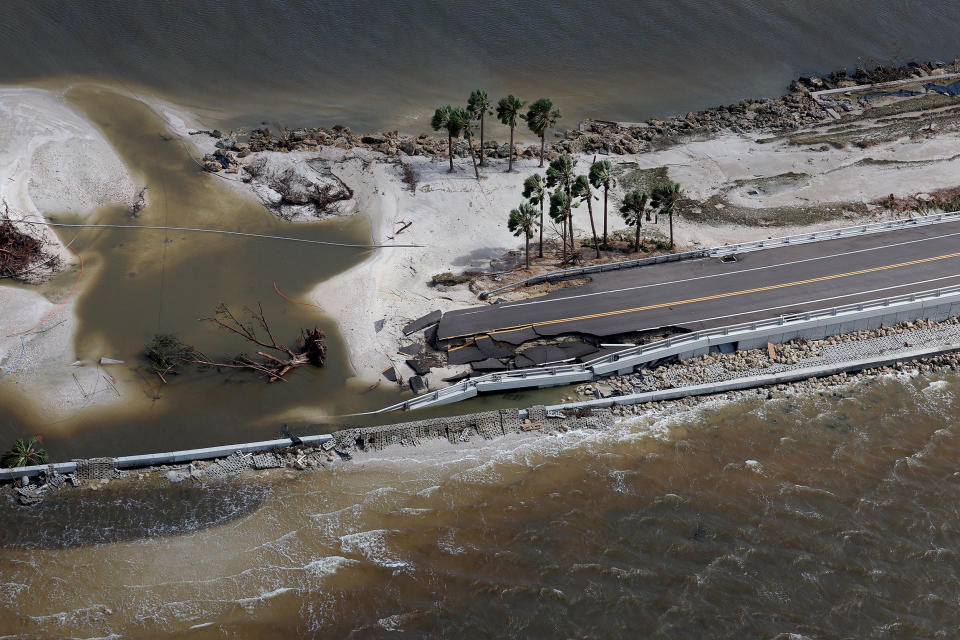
(704, 293)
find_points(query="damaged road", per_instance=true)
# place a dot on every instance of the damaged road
(710, 292)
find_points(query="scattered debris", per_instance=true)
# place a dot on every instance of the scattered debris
(312, 346)
(20, 253)
(139, 203)
(422, 323)
(411, 349)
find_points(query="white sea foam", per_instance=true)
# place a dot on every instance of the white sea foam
(251, 602)
(328, 565)
(372, 546)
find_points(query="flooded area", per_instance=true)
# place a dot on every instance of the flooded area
(140, 283)
(832, 515)
(783, 515)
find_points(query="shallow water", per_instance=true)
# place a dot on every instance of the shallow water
(140, 283)
(827, 516)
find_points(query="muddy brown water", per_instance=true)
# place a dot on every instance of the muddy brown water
(830, 515)
(139, 283)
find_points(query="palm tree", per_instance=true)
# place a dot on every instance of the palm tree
(24, 453)
(665, 197)
(446, 118)
(560, 174)
(478, 104)
(508, 112)
(535, 191)
(634, 204)
(601, 175)
(581, 189)
(464, 118)
(559, 206)
(523, 220)
(540, 117)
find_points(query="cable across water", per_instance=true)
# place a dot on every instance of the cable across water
(221, 231)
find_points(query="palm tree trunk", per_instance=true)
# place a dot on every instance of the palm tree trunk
(527, 236)
(450, 151)
(473, 157)
(541, 226)
(573, 247)
(670, 216)
(563, 242)
(509, 169)
(543, 143)
(637, 239)
(481, 139)
(593, 228)
(606, 190)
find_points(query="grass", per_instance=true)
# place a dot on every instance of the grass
(706, 212)
(908, 105)
(449, 279)
(643, 179)
(866, 136)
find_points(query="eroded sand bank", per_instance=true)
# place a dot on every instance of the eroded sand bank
(52, 160)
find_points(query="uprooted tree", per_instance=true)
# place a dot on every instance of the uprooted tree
(311, 346)
(166, 353)
(21, 253)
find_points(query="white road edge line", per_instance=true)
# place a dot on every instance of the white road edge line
(819, 300)
(714, 275)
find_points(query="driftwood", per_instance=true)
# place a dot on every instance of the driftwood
(20, 253)
(311, 346)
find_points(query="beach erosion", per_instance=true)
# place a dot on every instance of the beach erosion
(748, 186)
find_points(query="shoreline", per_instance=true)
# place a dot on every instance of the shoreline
(467, 432)
(740, 183)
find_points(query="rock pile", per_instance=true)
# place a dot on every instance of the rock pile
(793, 110)
(799, 352)
(840, 79)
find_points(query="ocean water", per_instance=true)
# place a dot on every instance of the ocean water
(831, 515)
(824, 516)
(389, 63)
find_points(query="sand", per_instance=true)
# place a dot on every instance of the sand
(462, 222)
(51, 160)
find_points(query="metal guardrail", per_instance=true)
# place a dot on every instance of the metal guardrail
(640, 354)
(743, 247)
(168, 457)
(832, 234)
(597, 268)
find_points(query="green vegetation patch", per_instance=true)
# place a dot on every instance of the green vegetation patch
(643, 179)
(448, 279)
(864, 137)
(908, 105)
(707, 212)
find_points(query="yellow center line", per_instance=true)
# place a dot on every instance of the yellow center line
(469, 344)
(716, 296)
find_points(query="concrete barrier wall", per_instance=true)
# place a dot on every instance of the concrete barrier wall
(169, 457)
(936, 305)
